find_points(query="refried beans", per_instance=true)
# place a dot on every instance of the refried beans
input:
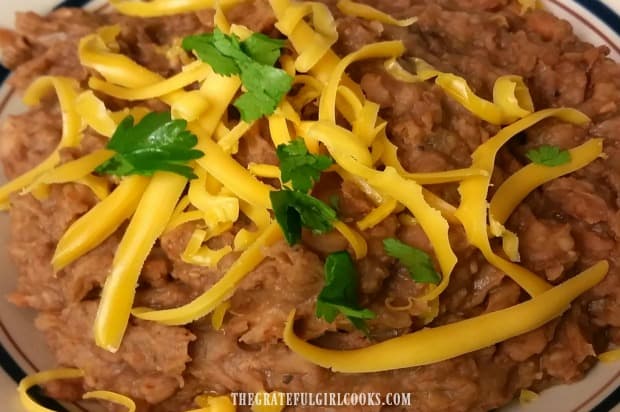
(564, 226)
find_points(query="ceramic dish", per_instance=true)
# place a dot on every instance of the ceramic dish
(22, 349)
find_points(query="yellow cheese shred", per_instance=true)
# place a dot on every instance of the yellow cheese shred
(356, 240)
(190, 106)
(194, 72)
(197, 254)
(320, 42)
(260, 217)
(610, 356)
(511, 97)
(74, 170)
(303, 37)
(97, 184)
(394, 69)
(147, 224)
(115, 68)
(222, 290)
(436, 344)
(518, 185)
(287, 62)
(372, 194)
(217, 209)
(220, 20)
(367, 125)
(367, 12)
(409, 193)
(355, 104)
(113, 397)
(529, 5)
(386, 49)
(217, 317)
(230, 141)
(378, 214)
(92, 228)
(179, 219)
(445, 208)
(390, 158)
(278, 129)
(219, 92)
(210, 403)
(472, 212)
(264, 170)
(66, 91)
(457, 88)
(231, 174)
(94, 113)
(157, 8)
(527, 396)
(40, 378)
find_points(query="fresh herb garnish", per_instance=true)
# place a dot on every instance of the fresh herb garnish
(303, 169)
(548, 155)
(294, 209)
(339, 295)
(418, 263)
(154, 143)
(251, 59)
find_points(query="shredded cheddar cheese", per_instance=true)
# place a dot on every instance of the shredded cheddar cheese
(511, 97)
(327, 103)
(610, 356)
(340, 144)
(148, 223)
(98, 223)
(66, 91)
(357, 241)
(199, 255)
(217, 317)
(349, 128)
(39, 378)
(216, 209)
(526, 396)
(191, 73)
(221, 291)
(367, 12)
(94, 113)
(378, 214)
(520, 184)
(215, 403)
(320, 42)
(158, 8)
(472, 212)
(431, 345)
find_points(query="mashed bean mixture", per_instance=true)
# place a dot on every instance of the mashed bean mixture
(563, 227)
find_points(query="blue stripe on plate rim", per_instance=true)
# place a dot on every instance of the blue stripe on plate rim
(12, 368)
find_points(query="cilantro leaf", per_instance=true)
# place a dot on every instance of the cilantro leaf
(295, 209)
(548, 155)
(251, 59)
(213, 49)
(303, 169)
(418, 263)
(339, 294)
(262, 48)
(155, 143)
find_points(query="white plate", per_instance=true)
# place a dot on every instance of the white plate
(22, 349)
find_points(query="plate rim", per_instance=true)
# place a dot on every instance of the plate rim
(609, 14)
